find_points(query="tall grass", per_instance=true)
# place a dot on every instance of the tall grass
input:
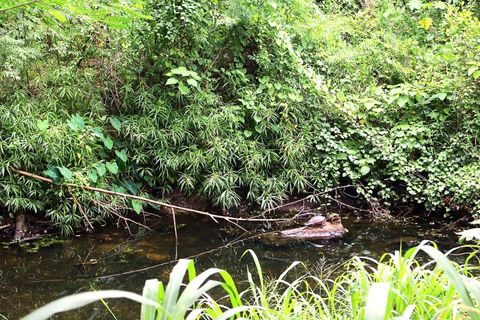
(420, 284)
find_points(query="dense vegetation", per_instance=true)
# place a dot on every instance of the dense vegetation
(395, 287)
(238, 100)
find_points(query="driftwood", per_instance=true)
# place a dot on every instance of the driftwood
(314, 233)
(317, 228)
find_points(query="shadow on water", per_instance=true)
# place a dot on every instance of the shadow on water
(30, 280)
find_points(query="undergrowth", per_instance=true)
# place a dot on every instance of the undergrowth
(239, 101)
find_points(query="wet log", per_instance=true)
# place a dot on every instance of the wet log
(314, 233)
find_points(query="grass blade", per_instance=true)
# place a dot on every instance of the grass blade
(78, 300)
(454, 277)
(150, 292)
(377, 301)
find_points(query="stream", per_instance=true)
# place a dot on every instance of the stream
(86, 262)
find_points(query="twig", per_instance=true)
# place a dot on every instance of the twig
(90, 226)
(4, 226)
(231, 243)
(305, 199)
(159, 203)
(33, 237)
(88, 255)
(348, 206)
(175, 231)
(19, 5)
(125, 219)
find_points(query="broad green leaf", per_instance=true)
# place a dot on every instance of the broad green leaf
(469, 235)
(42, 125)
(122, 155)
(192, 82)
(183, 89)
(92, 175)
(441, 95)
(171, 81)
(108, 142)
(471, 70)
(115, 123)
(194, 75)
(131, 187)
(364, 170)
(76, 122)
(402, 100)
(66, 173)
(98, 132)
(52, 172)
(257, 118)
(112, 167)
(247, 133)
(101, 169)
(137, 205)
(476, 74)
(415, 4)
(181, 71)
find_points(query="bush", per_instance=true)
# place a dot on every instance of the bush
(244, 100)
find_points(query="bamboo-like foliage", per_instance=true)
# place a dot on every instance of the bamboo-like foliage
(239, 100)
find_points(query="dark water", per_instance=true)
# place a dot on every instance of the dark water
(30, 280)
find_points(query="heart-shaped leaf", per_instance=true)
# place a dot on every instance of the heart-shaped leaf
(131, 186)
(180, 70)
(137, 206)
(247, 133)
(112, 167)
(122, 155)
(192, 82)
(92, 175)
(76, 122)
(183, 89)
(471, 70)
(42, 125)
(101, 169)
(66, 173)
(98, 132)
(108, 142)
(115, 123)
(52, 172)
(171, 81)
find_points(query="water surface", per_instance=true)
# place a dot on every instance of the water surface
(111, 259)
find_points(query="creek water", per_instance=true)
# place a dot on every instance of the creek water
(94, 261)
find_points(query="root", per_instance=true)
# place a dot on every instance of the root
(20, 228)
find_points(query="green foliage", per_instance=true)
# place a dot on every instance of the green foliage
(301, 104)
(53, 118)
(240, 100)
(395, 287)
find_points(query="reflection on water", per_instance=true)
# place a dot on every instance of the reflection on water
(28, 281)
